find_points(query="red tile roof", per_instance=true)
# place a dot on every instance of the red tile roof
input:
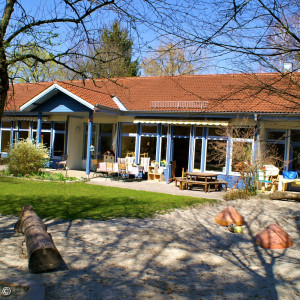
(218, 93)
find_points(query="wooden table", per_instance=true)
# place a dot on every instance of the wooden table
(202, 176)
(199, 178)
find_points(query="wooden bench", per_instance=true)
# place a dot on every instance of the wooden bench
(185, 183)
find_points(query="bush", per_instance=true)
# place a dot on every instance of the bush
(27, 157)
(238, 194)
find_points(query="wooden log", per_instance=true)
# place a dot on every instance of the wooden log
(278, 195)
(42, 253)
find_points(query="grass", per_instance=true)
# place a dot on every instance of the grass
(79, 200)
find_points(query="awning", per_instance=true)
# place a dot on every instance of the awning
(183, 122)
(22, 118)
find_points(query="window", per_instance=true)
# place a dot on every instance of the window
(128, 145)
(241, 153)
(275, 135)
(163, 151)
(5, 141)
(129, 128)
(148, 145)
(149, 129)
(198, 131)
(275, 147)
(216, 155)
(198, 152)
(181, 131)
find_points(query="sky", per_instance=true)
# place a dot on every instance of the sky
(145, 36)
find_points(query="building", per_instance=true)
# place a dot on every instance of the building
(176, 118)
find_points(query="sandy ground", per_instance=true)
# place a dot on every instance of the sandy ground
(180, 255)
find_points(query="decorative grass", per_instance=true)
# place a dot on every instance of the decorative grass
(79, 200)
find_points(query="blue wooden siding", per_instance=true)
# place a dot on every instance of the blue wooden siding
(61, 103)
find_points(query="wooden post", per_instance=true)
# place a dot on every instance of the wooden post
(42, 253)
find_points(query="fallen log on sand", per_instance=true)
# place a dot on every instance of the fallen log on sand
(42, 253)
(278, 195)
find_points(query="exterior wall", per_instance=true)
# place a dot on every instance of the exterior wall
(75, 141)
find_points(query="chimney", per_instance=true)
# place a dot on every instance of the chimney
(288, 67)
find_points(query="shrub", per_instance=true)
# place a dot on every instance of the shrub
(238, 194)
(27, 157)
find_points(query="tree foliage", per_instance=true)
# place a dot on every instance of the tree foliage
(171, 59)
(112, 58)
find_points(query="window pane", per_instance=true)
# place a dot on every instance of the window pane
(215, 131)
(23, 135)
(163, 149)
(149, 128)
(59, 126)
(59, 144)
(46, 125)
(296, 158)
(243, 133)
(199, 131)
(275, 155)
(5, 141)
(106, 128)
(181, 130)
(295, 136)
(105, 144)
(198, 147)
(215, 155)
(24, 125)
(129, 128)
(241, 153)
(128, 145)
(34, 125)
(276, 135)
(6, 124)
(46, 139)
(164, 129)
(148, 145)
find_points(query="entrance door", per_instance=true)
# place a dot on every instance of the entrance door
(181, 154)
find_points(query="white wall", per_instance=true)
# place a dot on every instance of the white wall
(75, 143)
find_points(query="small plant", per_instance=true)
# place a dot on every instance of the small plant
(238, 194)
(27, 157)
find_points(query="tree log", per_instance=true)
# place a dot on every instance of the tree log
(42, 253)
(278, 195)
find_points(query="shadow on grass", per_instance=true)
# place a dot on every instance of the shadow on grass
(79, 200)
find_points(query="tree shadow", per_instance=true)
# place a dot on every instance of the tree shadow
(182, 255)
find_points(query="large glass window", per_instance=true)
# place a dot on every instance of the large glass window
(216, 155)
(241, 153)
(163, 152)
(128, 145)
(198, 148)
(148, 145)
(5, 142)
(295, 144)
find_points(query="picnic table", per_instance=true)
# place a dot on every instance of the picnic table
(204, 179)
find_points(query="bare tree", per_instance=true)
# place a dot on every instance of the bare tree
(172, 59)
(246, 36)
(55, 31)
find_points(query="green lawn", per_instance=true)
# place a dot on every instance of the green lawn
(80, 200)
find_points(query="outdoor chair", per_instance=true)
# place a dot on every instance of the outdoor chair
(122, 171)
(63, 162)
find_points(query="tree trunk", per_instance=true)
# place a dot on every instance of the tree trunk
(42, 253)
(4, 81)
(278, 195)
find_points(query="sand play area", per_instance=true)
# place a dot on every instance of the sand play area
(180, 255)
